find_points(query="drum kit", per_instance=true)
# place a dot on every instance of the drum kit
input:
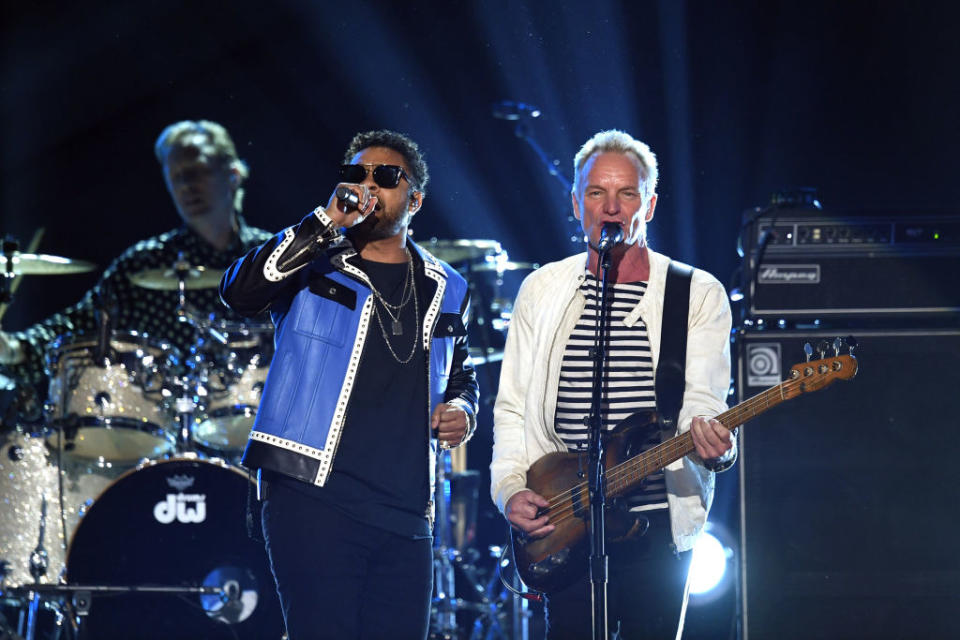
(123, 512)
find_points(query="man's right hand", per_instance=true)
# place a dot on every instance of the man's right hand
(521, 511)
(336, 210)
(11, 351)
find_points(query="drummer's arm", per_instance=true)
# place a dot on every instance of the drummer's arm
(254, 281)
(23, 351)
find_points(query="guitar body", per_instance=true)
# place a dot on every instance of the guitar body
(554, 561)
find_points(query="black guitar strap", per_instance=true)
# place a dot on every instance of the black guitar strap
(671, 365)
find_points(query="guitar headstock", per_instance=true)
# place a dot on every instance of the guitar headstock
(814, 375)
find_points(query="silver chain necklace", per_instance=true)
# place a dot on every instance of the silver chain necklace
(393, 310)
(396, 326)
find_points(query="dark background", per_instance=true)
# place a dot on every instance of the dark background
(858, 99)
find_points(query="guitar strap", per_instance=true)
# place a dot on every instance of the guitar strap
(670, 377)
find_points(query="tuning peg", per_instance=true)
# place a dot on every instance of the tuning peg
(808, 349)
(851, 344)
(837, 343)
(822, 347)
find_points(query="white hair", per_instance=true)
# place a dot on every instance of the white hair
(616, 141)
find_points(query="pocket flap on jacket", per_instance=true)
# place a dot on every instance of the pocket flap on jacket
(449, 324)
(333, 290)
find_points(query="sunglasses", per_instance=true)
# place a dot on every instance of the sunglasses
(386, 176)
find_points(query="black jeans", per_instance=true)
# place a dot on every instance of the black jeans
(645, 593)
(341, 579)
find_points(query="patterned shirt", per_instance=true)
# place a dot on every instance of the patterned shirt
(136, 308)
(628, 381)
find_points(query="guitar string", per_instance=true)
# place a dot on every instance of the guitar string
(679, 444)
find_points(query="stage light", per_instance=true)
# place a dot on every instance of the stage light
(709, 564)
(713, 567)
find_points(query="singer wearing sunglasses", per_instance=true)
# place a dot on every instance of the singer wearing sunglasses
(666, 348)
(371, 374)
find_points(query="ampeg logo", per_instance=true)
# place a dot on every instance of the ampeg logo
(183, 507)
(763, 364)
(789, 274)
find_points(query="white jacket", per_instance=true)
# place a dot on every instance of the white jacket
(544, 314)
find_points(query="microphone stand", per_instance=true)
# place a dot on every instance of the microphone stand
(599, 562)
(522, 131)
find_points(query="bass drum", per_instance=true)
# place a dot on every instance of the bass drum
(179, 522)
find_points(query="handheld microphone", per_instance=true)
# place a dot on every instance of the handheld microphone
(611, 234)
(348, 198)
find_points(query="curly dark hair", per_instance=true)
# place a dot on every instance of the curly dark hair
(399, 143)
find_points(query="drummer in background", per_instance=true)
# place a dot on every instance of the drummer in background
(205, 179)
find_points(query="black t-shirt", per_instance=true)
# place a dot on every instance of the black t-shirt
(380, 474)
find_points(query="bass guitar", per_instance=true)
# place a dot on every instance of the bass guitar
(555, 560)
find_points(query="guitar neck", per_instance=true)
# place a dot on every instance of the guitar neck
(626, 476)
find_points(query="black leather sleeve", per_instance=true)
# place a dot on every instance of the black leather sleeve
(253, 282)
(463, 377)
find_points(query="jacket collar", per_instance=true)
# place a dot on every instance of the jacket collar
(342, 257)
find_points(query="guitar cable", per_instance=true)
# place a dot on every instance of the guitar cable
(502, 561)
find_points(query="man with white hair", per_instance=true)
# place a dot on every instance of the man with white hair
(546, 383)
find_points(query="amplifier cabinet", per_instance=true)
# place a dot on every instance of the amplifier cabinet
(849, 495)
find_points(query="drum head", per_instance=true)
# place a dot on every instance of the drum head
(175, 523)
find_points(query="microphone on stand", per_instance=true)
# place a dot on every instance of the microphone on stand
(611, 234)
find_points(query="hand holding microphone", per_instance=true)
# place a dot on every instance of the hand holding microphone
(350, 204)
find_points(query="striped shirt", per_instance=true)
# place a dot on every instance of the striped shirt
(628, 383)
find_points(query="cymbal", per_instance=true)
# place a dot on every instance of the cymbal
(456, 251)
(168, 279)
(40, 264)
(507, 265)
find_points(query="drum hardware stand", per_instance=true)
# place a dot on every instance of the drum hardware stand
(445, 559)
(39, 561)
(185, 407)
(103, 353)
(445, 627)
(81, 597)
(9, 247)
(182, 269)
